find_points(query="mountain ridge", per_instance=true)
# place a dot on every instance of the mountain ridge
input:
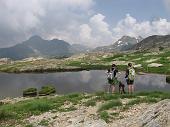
(123, 44)
(36, 46)
(153, 42)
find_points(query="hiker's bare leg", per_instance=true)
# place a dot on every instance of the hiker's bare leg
(113, 88)
(109, 89)
(132, 88)
(129, 89)
(119, 89)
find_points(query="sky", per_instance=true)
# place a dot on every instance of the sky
(87, 22)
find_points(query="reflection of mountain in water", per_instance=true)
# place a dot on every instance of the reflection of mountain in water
(152, 79)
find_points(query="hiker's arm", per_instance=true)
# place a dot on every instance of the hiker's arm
(116, 70)
(127, 73)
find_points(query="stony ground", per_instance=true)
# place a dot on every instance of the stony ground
(145, 109)
(142, 115)
(86, 117)
(138, 115)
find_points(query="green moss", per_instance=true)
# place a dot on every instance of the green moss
(30, 92)
(47, 90)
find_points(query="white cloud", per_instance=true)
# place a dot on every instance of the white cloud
(47, 18)
(167, 4)
(85, 32)
(130, 26)
(96, 32)
(71, 20)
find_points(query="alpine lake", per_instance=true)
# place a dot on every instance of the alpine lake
(12, 85)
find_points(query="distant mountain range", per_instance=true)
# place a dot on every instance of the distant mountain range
(153, 42)
(36, 46)
(123, 44)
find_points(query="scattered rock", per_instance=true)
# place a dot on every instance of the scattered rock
(138, 66)
(155, 65)
(151, 60)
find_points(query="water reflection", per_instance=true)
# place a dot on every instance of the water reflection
(12, 85)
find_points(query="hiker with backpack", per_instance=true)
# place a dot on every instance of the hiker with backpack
(130, 77)
(116, 81)
(114, 70)
(110, 81)
(111, 76)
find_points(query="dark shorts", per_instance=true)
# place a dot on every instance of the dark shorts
(130, 82)
(110, 81)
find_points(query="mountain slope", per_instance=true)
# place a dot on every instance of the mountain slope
(53, 47)
(153, 42)
(36, 46)
(77, 48)
(123, 44)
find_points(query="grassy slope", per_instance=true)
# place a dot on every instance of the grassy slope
(96, 61)
(14, 114)
(136, 57)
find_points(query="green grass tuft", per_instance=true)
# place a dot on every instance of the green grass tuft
(90, 103)
(105, 116)
(44, 123)
(110, 104)
(142, 100)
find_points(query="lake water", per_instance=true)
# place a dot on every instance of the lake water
(12, 85)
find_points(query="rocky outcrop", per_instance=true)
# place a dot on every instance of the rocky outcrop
(157, 115)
